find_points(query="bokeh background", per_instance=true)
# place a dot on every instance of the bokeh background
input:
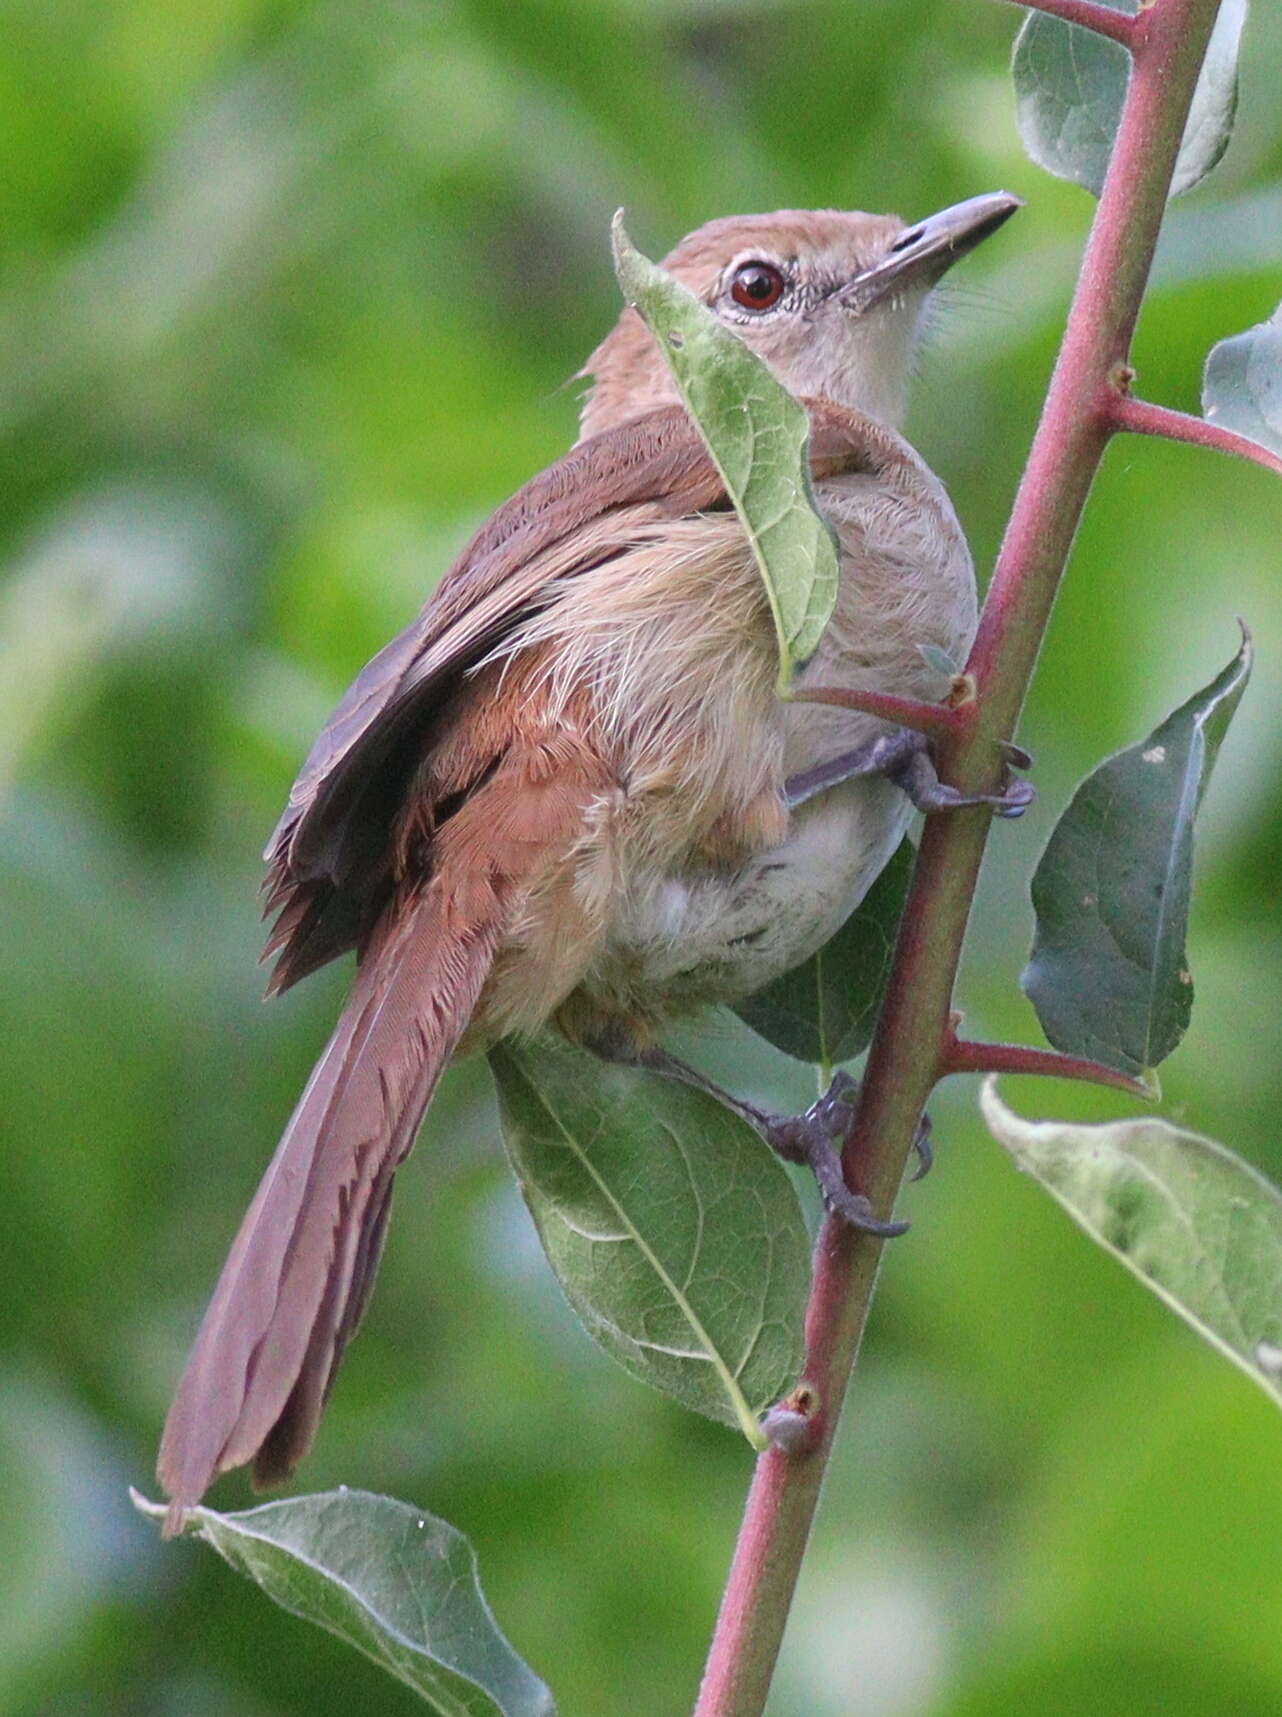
(290, 294)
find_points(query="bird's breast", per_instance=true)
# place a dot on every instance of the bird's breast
(686, 930)
(678, 941)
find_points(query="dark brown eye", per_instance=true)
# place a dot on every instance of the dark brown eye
(757, 286)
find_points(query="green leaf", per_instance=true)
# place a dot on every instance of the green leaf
(1199, 1226)
(758, 437)
(1107, 973)
(1070, 84)
(675, 1234)
(1069, 88)
(824, 1010)
(396, 1583)
(1214, 107)
(1242, 387)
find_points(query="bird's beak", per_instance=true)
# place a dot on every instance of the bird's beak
(922, 253)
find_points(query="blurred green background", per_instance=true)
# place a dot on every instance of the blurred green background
(290, 294)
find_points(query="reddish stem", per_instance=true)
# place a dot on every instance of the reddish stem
(938, 719)
(905, 1059)
(1120, 26)
(1141, 418)
(962, 1056)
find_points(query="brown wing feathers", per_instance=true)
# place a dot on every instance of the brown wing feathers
(327, 860)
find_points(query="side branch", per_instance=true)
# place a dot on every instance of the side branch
(962, 1056)
(1091, 15)
(1141, 418)
(940, 720)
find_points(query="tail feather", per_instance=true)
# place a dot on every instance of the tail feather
(300, 1269)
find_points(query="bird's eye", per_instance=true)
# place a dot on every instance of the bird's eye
(757, 286)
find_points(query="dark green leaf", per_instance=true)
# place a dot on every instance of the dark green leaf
(1202, 1228)
(1242, 387)
(1107, 974)
(398, 1584)
(1070, 84)
(758, 437)
(824, 1010)
(674, 1232)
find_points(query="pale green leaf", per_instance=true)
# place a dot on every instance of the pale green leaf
(1108, 973)
(1242, 387)
(675, 1234)
(758, 437)
(1070, 83)
(391, 1580)
(1199, 1226)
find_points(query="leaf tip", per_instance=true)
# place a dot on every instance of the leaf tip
(148, 1509)
(1011, 1131)
(173, 1519)
(628, 260)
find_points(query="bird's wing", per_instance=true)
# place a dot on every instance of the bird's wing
(327, 856)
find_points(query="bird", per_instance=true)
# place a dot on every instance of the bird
(568, 796)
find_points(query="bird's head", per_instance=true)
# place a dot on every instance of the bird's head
(830, 300)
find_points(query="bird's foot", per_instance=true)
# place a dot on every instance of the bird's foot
(904, 757)
(918, 777)
(816, 1138)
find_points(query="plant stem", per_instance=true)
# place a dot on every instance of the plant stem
(1091, 15)
(1141, 418)
(906, 1057)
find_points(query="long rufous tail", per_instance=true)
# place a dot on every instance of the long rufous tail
(300, 1269)
(299, 1272)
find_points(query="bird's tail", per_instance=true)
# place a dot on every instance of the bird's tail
(299, 1272)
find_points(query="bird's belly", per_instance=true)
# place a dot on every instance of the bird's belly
(683, 942)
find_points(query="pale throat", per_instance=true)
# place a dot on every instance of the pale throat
(864, 366)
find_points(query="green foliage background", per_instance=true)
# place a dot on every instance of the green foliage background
(288, 299)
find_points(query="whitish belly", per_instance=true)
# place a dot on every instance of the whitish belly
(680, 943)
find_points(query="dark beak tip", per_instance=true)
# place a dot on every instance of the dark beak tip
(1011, 201)
(994, 210)
(929, 249)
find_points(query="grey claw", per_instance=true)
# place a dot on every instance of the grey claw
(925, 1151)
(832, 1111)
(856, 1212)
(1014, 754)
(1018, 796)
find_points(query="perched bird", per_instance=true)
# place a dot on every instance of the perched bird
(568, 793)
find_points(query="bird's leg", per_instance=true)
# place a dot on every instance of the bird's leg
(813, 1138)
(887, 754)
(904, 758)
